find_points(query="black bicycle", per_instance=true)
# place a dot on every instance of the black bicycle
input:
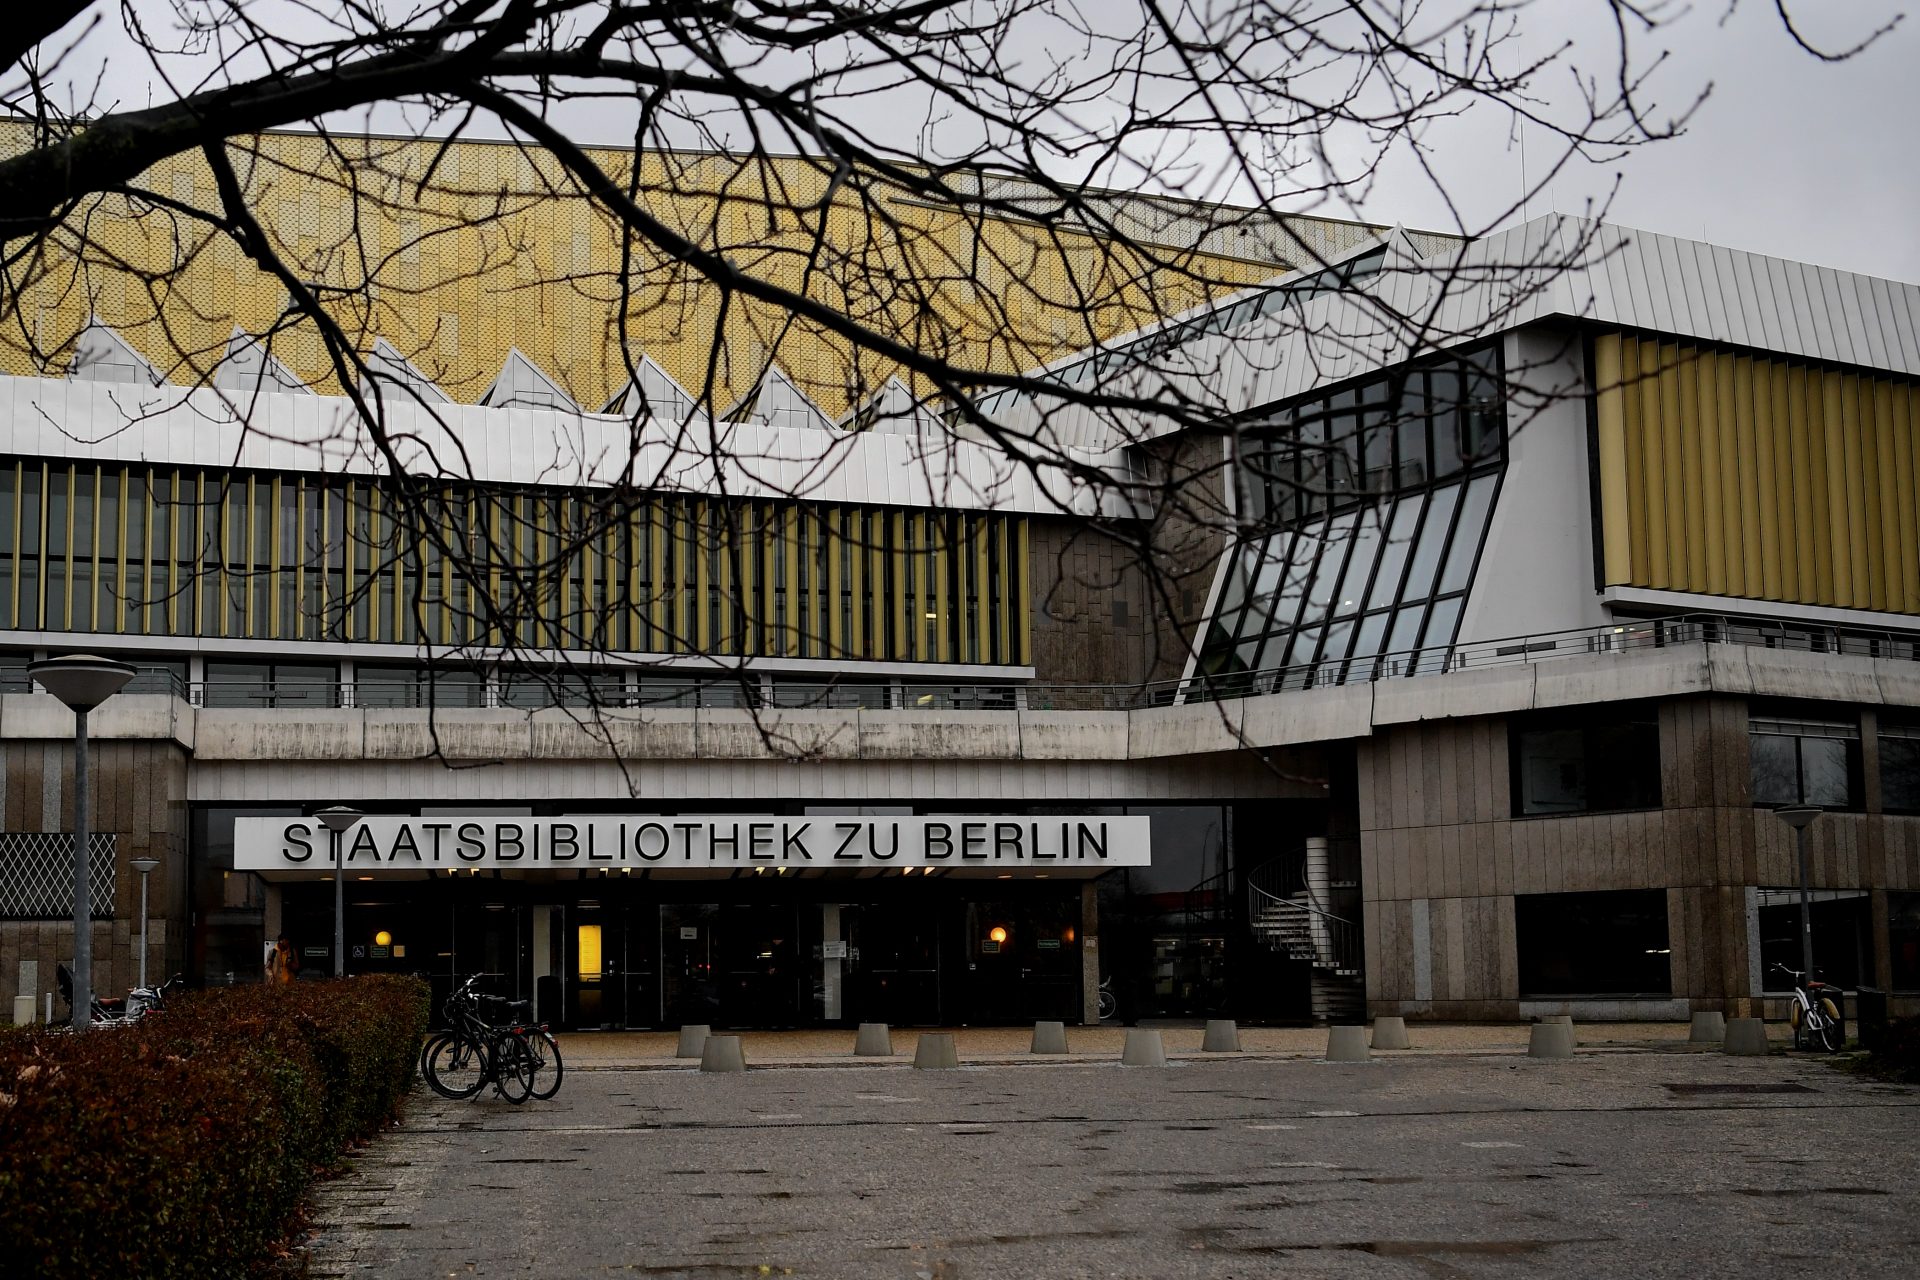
(475, 1051)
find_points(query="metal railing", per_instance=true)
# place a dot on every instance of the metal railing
(634, 688)
(1282, 907)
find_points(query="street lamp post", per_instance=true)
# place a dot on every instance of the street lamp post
(337, 819)
(1800, 817)
(83, 682)
(145, 867)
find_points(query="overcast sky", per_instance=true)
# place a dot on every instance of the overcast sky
(1789, 156)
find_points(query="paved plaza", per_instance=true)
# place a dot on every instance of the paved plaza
(1641, 1163)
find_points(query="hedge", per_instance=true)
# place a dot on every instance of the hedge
(182, 1145)
(1897, 1054)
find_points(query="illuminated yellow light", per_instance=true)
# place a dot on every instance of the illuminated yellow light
(383, 939)
(997, 934)
(589, 951)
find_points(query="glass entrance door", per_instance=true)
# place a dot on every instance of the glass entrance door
(689, 989)
(893, 965)
(595, 988)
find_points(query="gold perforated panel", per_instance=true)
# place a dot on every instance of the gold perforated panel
(1733, 474)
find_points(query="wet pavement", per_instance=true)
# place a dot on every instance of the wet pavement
(1643, 1164)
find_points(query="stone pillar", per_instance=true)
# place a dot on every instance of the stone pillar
(1089, 954)
(1319, 893)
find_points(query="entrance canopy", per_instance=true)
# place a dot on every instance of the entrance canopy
(693, 847)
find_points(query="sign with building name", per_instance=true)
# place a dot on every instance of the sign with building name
(401, 844)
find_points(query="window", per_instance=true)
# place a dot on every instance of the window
(1586, 763)
(1379, 496)
(1805, 761)
(419, 687)
(1903, 937)
(1593, 944)
(1842, 936)
(270, 684)
(1899, 767)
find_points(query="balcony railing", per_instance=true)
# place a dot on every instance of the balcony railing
(609, 687)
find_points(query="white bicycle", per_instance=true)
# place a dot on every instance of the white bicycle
(1814, 1013)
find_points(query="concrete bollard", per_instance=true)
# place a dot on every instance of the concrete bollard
(23, 1011)
(936, 1052)
(873, 1040)
(1143, 1048)
(1550, 1040)
(723, 1053)
(1746, 1038)
(1347, 1044)
(1223, 1036)
(693, 1040)
(1049, 1037)
(1707, 1028)
(1390, 1033)
(1564, 1020)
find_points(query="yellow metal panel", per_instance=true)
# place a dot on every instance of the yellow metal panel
(902, 639)
(1671, 492)
(854, 530)
(943, 593)
(836, 585)
(119, 592)
(1005, 593)
(1786, 513)
(656, 569)
(1690, 519)
(1863, 500)
(748, 556)
(1736, 470)
(1842, 457)
(877, 562)
(1610, 408)
(273, 559)
(1714, 542)
(1653, 479)
(982, 583)
(636, 552)
(722, 555)
(1019, 591)
(791, 542)
(1809, 479)
(1904, 414)
(64, 606)
(204, 574)
(702, 577)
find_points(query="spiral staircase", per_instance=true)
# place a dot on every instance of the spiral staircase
(1305, 908)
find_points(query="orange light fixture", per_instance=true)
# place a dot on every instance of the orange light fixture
(997, 934)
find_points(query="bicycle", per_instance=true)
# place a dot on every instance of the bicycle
(1814, 1013)
(471, 1053)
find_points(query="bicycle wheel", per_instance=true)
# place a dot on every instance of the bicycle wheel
(455, 1065)
(513, 1067)
(548, 1068)
(1827, 1036)
(1797, 1019)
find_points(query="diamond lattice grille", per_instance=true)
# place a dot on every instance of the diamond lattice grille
(36, 874)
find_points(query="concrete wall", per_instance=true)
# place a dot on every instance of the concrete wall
(1442, 859)
(139, 790)
(1189, 537)
(1536, 571)
(1092, 621)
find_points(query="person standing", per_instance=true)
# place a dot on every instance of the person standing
(283, 962)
